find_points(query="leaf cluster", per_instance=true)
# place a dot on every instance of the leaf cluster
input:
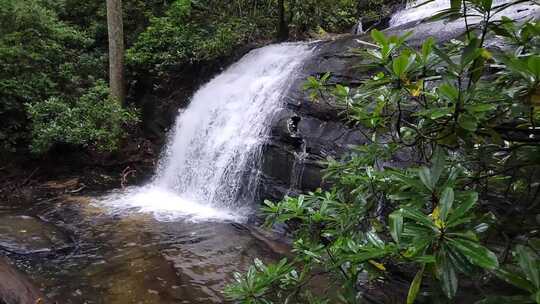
(452, 156)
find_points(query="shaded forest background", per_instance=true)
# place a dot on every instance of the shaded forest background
(53, 54)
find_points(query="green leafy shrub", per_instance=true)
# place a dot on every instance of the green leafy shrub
(466, 119)
(197, 31)
(94, 120)
(41, 57)
(190, 33)
(525, 275)
(331, 16)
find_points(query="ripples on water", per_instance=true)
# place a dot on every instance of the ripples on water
(136, 258)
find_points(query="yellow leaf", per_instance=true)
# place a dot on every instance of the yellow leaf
(436, 218)
(377, 265)
(535, 98)
(486, 54)
(405, 80)
(417, 89)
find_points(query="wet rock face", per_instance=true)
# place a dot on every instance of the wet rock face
(307, 132)
(319, 128)
(25, 235)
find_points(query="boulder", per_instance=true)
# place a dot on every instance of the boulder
(24, 235)
(15, 288)
(306, 132)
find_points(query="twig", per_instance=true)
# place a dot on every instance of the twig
(125, 174)
(78, 189)
(29, 177)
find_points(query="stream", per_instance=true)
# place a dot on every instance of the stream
(135, 258)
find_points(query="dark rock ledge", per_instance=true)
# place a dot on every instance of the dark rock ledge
(306, 132)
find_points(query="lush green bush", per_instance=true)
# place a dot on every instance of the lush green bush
(198, 31)
(50, 83)
(94, 121)
(40, 57)
(167, 42)
(466, 119)
(328, 15)
(193, 32)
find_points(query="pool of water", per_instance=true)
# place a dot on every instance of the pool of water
(136, 257)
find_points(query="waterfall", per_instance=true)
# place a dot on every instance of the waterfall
(210, 167)
(413, 13)
(418, 10)
(297, 172)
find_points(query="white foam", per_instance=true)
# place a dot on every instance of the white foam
(166, 205)
(416, 11)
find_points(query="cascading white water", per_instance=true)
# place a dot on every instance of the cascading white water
(210, 167)
(415, 11)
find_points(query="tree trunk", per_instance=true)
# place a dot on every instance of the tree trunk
(283, 28)
(116, 49)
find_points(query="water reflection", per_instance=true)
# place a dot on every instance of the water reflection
(135, 258)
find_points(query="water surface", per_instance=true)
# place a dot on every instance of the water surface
(136, 258)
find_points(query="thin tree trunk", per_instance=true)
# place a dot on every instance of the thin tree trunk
(116, 49)
(283, 28)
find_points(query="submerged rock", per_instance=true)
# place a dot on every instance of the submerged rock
(29, 235)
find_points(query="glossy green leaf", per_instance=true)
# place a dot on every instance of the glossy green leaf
(470, 52)
(475, 253)
(477, 68)
(402, 63)
(418, 217)
(425, 176)
(533, 63)
(452, 176)
(445, 202)
(427, 47)
(486, 4)
(437, 167)
(468, 122)
(411, 181)
(528, 261)
(447, 274)
(425, 259)
(464, 207)
(442, 54)
(514, 279)
(418, 245)
(482, 107)
(396, 226)
(459, 261)
(379, 37)
(448, 91)
(415, 286)
(374, 239)
(439, 112)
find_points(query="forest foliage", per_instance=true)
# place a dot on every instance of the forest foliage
(445, 193)
(53, 57)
